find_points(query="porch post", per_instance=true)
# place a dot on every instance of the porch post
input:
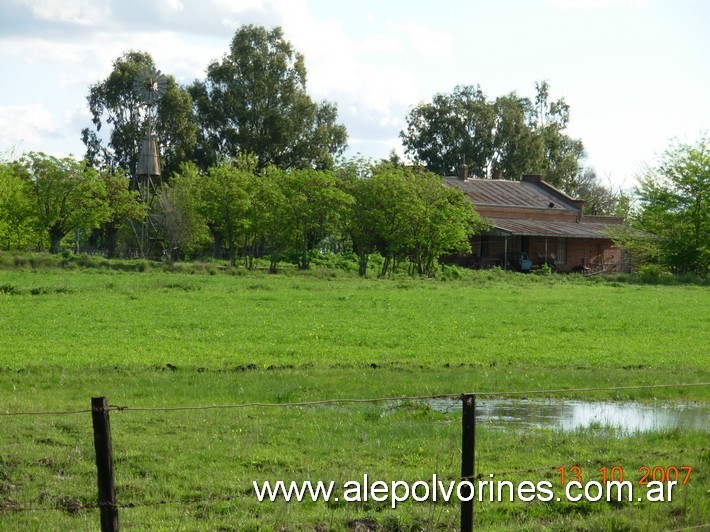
(505, 254)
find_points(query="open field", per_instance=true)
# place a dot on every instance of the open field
(167, 339)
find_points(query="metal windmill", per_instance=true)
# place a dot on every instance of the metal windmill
(150, 86)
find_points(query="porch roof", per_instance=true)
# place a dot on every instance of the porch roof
(551, 228)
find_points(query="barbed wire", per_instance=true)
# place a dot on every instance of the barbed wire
(399, 398)
(119, 408)
(44, 413)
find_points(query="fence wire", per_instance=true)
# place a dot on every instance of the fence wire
(120, 408)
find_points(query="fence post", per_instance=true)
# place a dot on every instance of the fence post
(104, 464)
(468, 448)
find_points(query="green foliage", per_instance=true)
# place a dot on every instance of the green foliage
(182, 226)
(254, 101)
(315, 209)
(543, 270)
(66, 194)
(18, 226)
(224, 201)
(114, 102)
(123, 205)
(405, 214)
(675, 209)
(509, 136)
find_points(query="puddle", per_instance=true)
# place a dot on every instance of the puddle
(571, 415)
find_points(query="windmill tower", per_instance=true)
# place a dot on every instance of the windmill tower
(150, 86)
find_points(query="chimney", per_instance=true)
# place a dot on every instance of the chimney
(532, 178)
(463, 171)
(497, 174)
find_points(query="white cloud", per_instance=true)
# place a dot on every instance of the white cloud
(173, 5)
(20, 124)
(79, 12)
(425, 40)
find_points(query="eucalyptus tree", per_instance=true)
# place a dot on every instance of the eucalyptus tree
(114, 103)
(254, 101)
(507, 137)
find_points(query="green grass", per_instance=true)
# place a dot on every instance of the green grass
(177, 339)
(97, 319)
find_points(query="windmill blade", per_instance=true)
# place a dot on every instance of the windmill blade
(150, 85)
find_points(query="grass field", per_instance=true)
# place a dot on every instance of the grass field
(170, 339)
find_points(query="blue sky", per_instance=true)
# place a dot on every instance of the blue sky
(636, 73)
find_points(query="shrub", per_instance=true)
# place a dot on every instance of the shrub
(654, 274)
(543, 270)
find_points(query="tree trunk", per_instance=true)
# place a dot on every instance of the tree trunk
(111, 232)
(55, 239)
(385, 266)
(304, 256)
(362, 263)
(232, 253)
(217, 248)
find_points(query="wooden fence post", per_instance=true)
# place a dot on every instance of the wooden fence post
(468, 449)
(104, 464)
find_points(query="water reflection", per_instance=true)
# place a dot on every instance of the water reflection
(570, 415)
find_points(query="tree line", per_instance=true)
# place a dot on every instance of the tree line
(252, 167)
(239, 211)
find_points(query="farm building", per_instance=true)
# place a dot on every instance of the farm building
(534, 223)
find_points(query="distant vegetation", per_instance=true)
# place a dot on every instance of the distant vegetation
(252, 169)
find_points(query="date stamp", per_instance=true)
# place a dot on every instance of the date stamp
(678, 474)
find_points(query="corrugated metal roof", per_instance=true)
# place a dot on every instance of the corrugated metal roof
(551, 228)
(501, 193)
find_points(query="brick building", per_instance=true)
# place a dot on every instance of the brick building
(534, 217)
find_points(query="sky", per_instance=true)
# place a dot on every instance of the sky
(636, 73)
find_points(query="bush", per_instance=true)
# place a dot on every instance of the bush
(543, 270)
(654, 274)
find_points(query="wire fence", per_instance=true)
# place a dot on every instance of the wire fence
(72, 505)
(323, 402)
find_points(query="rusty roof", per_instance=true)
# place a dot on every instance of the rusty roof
(521, 194)
(551, 228)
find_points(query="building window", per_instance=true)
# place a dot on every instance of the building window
(561, 251)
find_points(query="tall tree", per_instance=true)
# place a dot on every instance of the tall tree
(114, 102)
(517, 149)
(66, 195)
(561, 154)
(509, 136)
(254, 101)
(451, 128)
